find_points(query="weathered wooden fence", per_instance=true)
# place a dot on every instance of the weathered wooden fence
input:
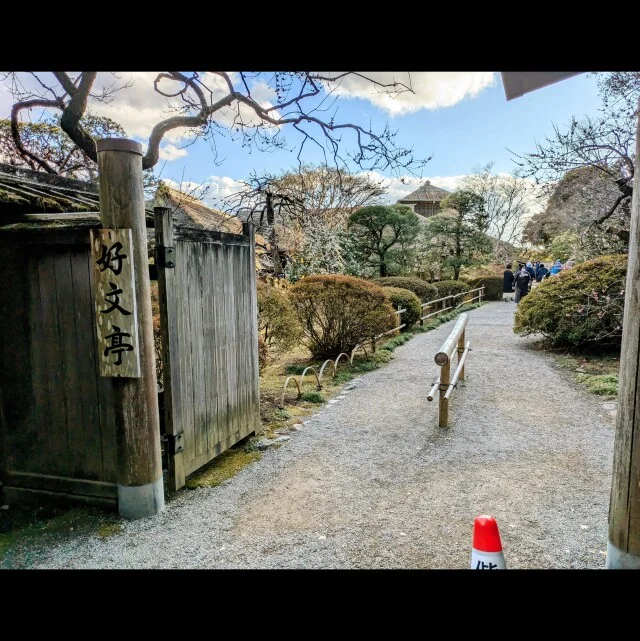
(57, 420)
(208, 313)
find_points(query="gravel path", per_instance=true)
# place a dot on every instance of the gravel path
(372, 482)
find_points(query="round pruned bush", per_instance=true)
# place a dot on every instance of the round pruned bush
(492, 286)
(450, 287)
(578, 306)
(277, 320)
(423, 290)
(338, 312)
(405, 299)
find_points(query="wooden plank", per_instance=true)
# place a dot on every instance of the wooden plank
(168, 280)
(197, 347)
(222, 346)
(215, 313)
(56, 483)
(104, 389)
(249, 230)
(18, 429)
(51, 352)
(624, 508)
(24, 496)
(200, 236)
(40, 416)
(182, 257)
(91, 445)
(70, 382)
(208, 326)
(230, 322)
(115, 303)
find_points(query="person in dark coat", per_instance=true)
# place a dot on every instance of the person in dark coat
(541, 272)
(507, 283)
(523, 279)
(531, 270)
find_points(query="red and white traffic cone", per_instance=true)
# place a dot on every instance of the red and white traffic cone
(486, 552)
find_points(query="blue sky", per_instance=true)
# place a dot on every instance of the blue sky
(472, 132)
(471, 125)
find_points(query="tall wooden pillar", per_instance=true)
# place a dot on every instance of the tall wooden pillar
(623, 548)
(140, 483)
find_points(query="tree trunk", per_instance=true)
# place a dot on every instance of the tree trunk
(383, 270)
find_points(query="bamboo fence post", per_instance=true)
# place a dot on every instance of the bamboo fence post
(443, 409)
(461, 346)
(139, 463)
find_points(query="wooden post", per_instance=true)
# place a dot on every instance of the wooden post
(139, 469)
(461, 345)
(173, 418)
(623, 547)
(248, 229)
(443, 410)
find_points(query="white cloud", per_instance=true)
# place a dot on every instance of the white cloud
(432, 89)
(171, 152)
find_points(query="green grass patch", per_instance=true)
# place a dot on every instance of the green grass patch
(223, 467)
(596, 369)
(601, 384)
(313, 397)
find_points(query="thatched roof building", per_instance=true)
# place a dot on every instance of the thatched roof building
(425, 200)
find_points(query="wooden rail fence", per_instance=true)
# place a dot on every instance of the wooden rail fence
(361, 347)
(444, 383)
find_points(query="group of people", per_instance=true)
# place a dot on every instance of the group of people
(528, 274)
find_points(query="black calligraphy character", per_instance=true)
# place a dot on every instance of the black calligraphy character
(115, 303)
(111, 258)
(117, 344)
(481, 565)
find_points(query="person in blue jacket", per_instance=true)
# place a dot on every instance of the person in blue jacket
(556, 268)
(531, 270)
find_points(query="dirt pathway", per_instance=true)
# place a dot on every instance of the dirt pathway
(372, 482)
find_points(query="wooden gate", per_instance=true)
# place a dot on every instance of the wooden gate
(208, 316)
(57, 424)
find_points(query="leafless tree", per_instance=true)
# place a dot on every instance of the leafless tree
(507, 201)
(606, 143)
(216, 102)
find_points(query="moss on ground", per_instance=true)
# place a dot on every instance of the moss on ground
(595, 371)
(224, 466)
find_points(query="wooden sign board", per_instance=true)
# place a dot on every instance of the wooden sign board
(115, 303)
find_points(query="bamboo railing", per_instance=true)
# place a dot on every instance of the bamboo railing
(445, 383)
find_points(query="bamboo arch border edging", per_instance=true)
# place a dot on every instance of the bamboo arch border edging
(319, 375)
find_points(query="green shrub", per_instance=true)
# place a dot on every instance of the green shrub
(449, 287)
(405, 299)
(423, 290)
(492, 286)
(277, 321)
(338, 312)
(313, 397)
(577, 306)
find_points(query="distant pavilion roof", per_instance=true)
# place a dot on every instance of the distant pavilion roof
(426, 193)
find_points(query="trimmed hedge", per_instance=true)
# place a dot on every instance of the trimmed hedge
(277, 321)
(338, 312)
(405, 299)
(423, 290)
(449, 287)
(492, 286)
(577, 306)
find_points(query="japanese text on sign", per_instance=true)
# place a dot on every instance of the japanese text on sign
(115, 303)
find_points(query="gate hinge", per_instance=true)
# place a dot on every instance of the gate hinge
(175, 443)
(165, 257)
